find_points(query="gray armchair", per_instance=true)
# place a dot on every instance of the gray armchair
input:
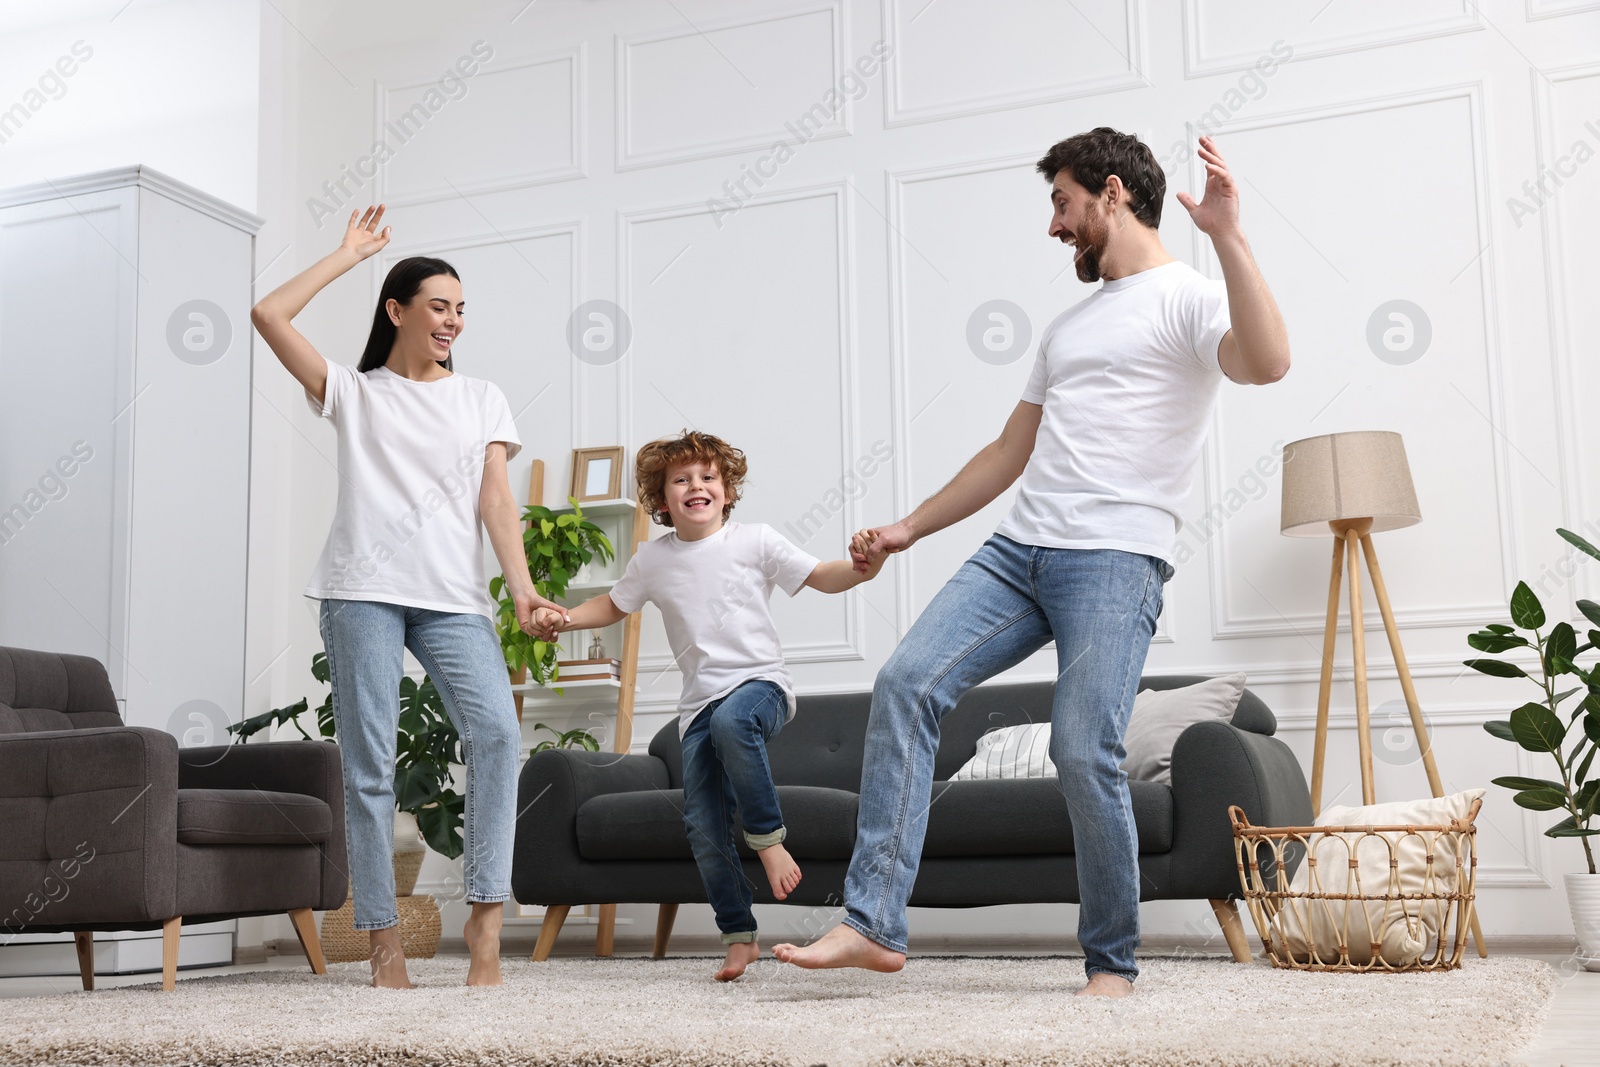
(112, 827)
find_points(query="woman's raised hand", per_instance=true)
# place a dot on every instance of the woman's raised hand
(362, 235)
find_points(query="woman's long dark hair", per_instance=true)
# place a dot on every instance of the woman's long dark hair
(401, 285)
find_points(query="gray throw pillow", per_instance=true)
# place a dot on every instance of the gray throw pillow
(1159, 716)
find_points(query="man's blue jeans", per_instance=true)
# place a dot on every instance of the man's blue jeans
(725, 771)
(366, 642)
(1003, 604)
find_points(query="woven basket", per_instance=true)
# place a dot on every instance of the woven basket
(1341, 918)
(419, 931)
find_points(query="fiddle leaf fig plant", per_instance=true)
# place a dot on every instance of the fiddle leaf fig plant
(426, 748)
(557, 544)
(1570, 736)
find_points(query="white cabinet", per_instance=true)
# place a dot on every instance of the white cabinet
(125, 349)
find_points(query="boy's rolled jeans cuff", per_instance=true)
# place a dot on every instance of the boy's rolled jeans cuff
(741, 937)
(761, 841)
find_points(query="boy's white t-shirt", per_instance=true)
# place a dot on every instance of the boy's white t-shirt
(713, 596)
(406, 529)
(1127, 379)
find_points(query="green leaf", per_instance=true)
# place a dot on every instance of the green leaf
(319, 667)
(1560, 649)
(1570, 832)
(1496, 668)
(1499, 628)
(1591, 611)
(1591, 726)
(1541, 799)
(1587, 799)
(1500, 728)
(1579, 543)
(1487, 642)
(1512, 781)
(1537, 728)
(1581, 775)
(1526, 611)
(414, 787)
(441, 822)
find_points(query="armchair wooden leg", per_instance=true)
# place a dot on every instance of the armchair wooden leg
(1227, 913)
(605, 930)
(169, 952)
(664, 920)
(554, 916)
(305, 928)
(84, 941)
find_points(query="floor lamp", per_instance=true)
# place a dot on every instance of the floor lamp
(1356, 484)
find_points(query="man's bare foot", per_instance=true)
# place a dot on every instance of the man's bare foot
(387, 959)
(482, 934)
(1102, 984)
(741, 954)
(782, 871)
(842, 947)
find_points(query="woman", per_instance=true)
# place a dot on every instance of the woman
(422, 472)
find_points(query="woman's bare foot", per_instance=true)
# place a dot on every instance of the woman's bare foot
(387, 959)
(482, 934)
(741, 954)
(782, 871)
(842, 947)
(1102, 984)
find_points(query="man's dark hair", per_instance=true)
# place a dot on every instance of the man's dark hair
(1094, 156)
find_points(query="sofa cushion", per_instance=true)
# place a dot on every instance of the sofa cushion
(251, 817)
(1028, 817)
(648, 825)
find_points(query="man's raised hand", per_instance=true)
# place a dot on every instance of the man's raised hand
(1217, 213)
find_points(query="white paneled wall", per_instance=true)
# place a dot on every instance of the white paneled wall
(801, 229)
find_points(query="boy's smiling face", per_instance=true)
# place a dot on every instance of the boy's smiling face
(695, 498)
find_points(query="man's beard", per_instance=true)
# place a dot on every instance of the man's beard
(1091, 240)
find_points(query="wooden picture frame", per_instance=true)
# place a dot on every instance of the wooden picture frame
(597, 473)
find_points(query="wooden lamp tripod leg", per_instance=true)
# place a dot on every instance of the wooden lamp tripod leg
(1330, 635)
(1418, 726)
(1358, 647)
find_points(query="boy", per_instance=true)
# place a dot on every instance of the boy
(711, 580)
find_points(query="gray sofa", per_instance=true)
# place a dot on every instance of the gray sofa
(608, 829)
(112, 827)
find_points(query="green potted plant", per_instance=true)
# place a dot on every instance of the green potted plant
(557, 545)
(1569, 736)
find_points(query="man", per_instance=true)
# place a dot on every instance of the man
(1105, 440)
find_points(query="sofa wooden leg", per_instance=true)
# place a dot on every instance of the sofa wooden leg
(1227, 913)
(169, 952)
(554, 916)
(664, 920)
(84, 942)
(605, 932)
(305, 928)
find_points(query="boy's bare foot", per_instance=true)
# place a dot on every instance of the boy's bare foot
(741, 954)
(842, 947)
(387, 959)
(782, 871)
(482, 934)
(1102, 984)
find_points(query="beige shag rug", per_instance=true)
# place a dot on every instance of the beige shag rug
(939, 1010)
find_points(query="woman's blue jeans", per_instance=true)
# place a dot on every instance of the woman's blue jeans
(366, 642)
(725, 771)
(1003, 604)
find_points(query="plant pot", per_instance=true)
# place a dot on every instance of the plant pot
(1583, 897)
(409, 850)
(419, 930)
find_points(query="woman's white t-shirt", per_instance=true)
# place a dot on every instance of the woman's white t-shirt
(407, 529)
(1127, 379)
(713, 596)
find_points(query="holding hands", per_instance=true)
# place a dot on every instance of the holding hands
(870, 548)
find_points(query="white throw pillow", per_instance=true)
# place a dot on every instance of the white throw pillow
(1402, 936)
(1158, 717)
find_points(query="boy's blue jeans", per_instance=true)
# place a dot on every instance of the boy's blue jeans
(366, 642)
(1003, 604)
(725, 771)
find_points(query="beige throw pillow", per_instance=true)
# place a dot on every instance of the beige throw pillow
(1402, 935)
(1159, 716)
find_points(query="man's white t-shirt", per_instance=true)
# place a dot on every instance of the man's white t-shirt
(406, 529)
(713, 596)
(1127, 379)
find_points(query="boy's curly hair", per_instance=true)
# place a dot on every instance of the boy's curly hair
(658, 457)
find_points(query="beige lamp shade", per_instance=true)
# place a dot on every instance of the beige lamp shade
(1359, 475)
